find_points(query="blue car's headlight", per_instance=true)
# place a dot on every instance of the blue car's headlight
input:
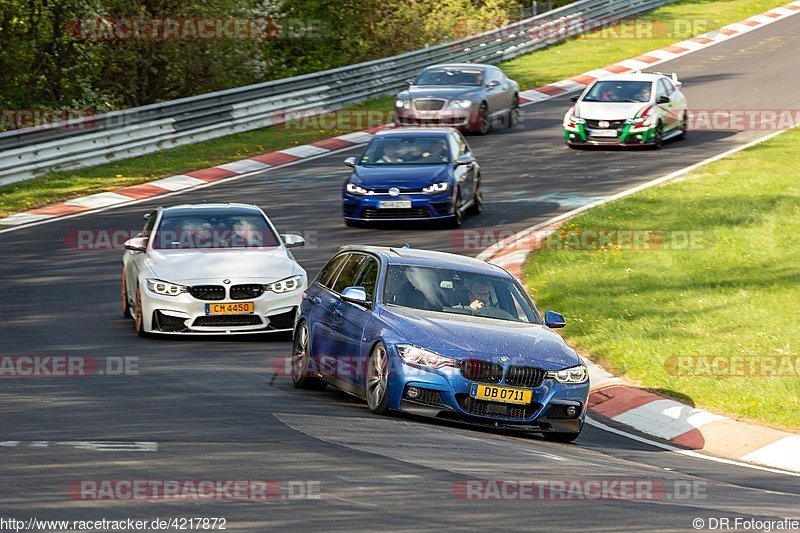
(420, 356)
(572, 375)
(352, 188)
(436, 187)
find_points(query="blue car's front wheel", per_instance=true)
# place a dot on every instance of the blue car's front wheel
(377, 386)
(302, 375)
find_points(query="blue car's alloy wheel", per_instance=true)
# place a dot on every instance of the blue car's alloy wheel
(301, 361)
(377, 387)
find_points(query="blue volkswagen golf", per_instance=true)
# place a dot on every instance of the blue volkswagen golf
(413, 174)
(440, 335)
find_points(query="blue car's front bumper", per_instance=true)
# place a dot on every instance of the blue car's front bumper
(423, 207)
(446, 394)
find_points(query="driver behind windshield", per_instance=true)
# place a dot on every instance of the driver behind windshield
(479, 295)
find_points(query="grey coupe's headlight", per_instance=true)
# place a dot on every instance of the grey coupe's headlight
(420, 356)
(436, 187)
(285, 285)
(352, 188)
(572, 375)
(461, 104)
(165, 288)
(403, 104)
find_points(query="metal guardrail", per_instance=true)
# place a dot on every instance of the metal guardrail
(132, 132)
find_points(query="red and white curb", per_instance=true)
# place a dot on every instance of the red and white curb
(279, 158)
(644, 411)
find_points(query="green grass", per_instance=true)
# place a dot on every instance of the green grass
(532, 70)
(735, 293)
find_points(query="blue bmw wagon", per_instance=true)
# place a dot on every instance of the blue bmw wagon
(439, 335)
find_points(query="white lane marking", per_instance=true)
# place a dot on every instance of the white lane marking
(634, 64)
(598, 73)
(691, 45)
(23, 218)
(102, 199)
(681, 451)
(663, 55)
(666, 418)
(115, 446)
(534, 96)
(783, 453)
(244, 165)
(304, 151)
(569, 85)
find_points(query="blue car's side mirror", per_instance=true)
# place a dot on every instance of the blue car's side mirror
(554, 320)
(356, 295)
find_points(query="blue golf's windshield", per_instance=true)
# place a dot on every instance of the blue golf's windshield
(457, 292)
(406, 150)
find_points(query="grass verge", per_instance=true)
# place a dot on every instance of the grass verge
(669, 24)
(730, 289)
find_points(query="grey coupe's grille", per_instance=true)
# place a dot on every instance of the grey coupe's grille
(428, 104)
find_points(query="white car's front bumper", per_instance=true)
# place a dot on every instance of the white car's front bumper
(273, 312)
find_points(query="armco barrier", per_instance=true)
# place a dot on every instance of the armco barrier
(132, 132)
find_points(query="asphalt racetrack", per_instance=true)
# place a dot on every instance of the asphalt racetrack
(216, 410)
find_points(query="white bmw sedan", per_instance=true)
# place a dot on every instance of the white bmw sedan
(211, 269)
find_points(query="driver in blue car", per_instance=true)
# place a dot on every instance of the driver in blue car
(479, 295)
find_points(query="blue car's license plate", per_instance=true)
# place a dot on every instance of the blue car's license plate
(493, 393)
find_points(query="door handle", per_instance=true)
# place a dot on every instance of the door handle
(313, 299)
(337, 312)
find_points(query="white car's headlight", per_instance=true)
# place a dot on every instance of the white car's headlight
(285, 285)
(419, 356)
(402, 104)
(573, 375)
(577, 120)
(352, 188)
(165, 288)
(461, 104)
(436, 187)
(639, 121)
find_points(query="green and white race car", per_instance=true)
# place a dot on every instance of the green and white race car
(634, 109)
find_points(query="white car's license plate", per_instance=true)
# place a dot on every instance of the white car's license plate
(394, 204)
(603, 133)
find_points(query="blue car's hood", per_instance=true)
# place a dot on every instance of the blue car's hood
(485, 338)
(404, 176)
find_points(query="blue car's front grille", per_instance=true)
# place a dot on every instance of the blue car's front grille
(477, 370)
(496, 410)
(382, 214)
(524, 376)
(429, 397)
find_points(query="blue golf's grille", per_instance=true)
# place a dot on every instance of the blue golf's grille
(477, 370)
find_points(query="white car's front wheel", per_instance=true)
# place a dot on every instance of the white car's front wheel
(126, 307)
(138, 316)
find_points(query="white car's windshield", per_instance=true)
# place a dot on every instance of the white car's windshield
(407, 150)
(456, 292)
(450, 76)
(213, 230)
(619, 91)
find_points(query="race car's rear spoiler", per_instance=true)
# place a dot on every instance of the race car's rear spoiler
(672, 75)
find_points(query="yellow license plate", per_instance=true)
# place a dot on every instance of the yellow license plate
(501, 394)
(238, 308)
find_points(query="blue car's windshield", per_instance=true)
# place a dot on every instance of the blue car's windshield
(406, 150)
(619, 91)
(456, 292)
(451, 76)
